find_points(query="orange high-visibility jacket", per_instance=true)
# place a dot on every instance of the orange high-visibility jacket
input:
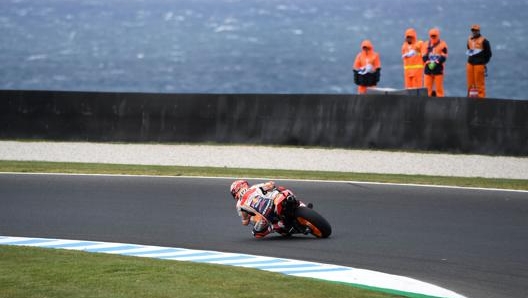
(484, 50)
(363, 58)
(434, 50)
(412, 64)
(367, 59)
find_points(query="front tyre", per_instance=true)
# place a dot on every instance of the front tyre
(317, 225)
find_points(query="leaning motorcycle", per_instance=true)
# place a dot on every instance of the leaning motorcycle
(300, 218)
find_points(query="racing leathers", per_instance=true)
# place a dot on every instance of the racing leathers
(256, 206)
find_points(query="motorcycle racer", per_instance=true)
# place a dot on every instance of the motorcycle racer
(256, 205)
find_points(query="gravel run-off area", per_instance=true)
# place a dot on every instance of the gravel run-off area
(270, 157)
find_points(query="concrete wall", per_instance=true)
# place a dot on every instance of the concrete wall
(459, 125)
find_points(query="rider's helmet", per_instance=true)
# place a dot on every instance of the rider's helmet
(237, 186)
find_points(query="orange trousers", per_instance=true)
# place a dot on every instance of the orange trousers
(437, 81)
(476, 78)
(363, 89)
(413, 79)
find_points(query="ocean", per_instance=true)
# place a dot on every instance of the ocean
(246, 46)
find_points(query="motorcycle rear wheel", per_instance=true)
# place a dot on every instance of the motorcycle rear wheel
(318, 225)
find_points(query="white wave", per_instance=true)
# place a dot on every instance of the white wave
(369, 14)
(230, 20)
(115, 72)
(225, 28)
(353, 28)
(263, 12)
(4, 20)
(60, 78)
(168, 16)
(22, 12)
(37, 57)
(336, 89)
(66, 52)
(297, 31)
(72, 35)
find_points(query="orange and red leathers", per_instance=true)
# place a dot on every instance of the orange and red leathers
(367, 67)
(412, 60)
(434, 55)
(479, 54)
(256, 207)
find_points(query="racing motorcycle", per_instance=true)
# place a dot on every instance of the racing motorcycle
(300, 218)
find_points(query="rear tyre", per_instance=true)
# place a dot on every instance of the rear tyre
(317, 224)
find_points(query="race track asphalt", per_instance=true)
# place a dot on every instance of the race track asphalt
(474, 242)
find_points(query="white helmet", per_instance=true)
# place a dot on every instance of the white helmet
(237, 186)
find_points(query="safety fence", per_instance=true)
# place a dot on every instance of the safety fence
(376, 121)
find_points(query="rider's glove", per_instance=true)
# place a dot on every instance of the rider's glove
(267, 187)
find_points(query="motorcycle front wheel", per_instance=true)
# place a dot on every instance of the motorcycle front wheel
(317, 225)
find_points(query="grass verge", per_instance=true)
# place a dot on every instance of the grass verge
(90, 168)
(37, 272)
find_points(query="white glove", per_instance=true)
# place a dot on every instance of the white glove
(362, 71)
(433, 57)
(472, 52)
(409, 54)
(369, 68)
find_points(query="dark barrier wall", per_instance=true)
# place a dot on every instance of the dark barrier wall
(458, 125)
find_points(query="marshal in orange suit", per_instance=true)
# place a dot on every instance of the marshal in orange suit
(412, 60)
(479, 54)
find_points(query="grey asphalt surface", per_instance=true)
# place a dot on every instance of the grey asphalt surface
(474, 242)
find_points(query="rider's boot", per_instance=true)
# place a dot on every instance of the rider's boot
(263, 233)
(280, 228)
(278, 225)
